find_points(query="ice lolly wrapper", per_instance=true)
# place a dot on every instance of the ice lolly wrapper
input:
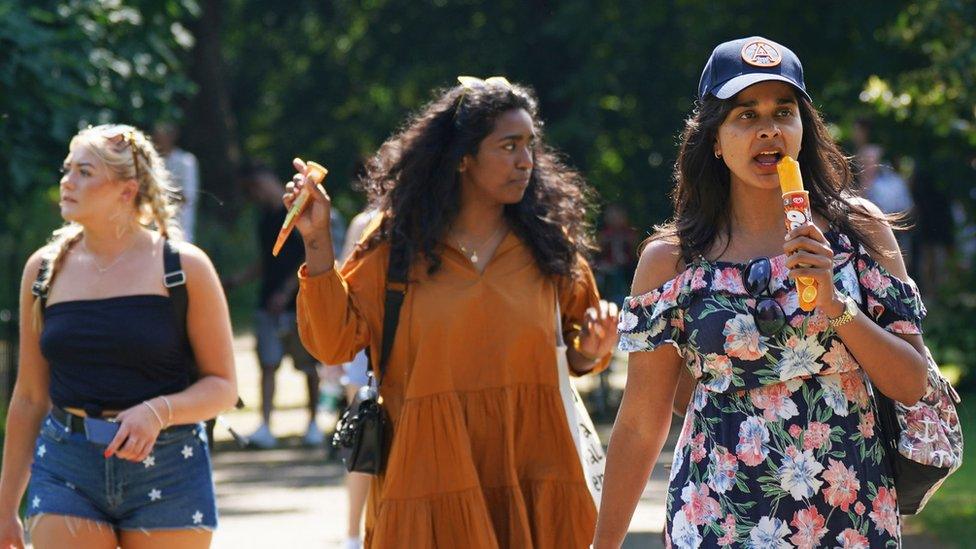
(318, 173)
(796, 204)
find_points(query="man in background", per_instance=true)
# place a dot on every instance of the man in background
(182, 165)
(274, 321)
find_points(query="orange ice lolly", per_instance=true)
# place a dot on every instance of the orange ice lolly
(796, 204)
(318, 173)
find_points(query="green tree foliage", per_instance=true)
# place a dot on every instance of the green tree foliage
(615, 78)
(936, 87)
(927, 105)
(65, 64)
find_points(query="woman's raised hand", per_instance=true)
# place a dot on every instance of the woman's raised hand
(314, 223)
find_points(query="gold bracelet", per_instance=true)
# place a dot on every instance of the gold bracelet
(576, 347)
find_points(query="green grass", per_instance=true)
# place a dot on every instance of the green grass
(951, 513)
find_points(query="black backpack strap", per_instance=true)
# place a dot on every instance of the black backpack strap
(396, 291)
(175, 281)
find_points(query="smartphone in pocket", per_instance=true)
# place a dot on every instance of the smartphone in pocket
(100, 431)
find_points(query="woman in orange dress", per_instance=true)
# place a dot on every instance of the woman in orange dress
(493, 229)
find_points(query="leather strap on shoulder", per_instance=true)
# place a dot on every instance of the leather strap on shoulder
(396, 291)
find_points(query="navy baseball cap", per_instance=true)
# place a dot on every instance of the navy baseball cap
(738, 64)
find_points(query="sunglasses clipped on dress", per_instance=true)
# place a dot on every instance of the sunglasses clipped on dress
(769, 315)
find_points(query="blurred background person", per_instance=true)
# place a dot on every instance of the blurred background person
(618, 253)
(274, 320)
(614, 269)
(880, 183)
(887, 189)
(934, 234)
(184, 171)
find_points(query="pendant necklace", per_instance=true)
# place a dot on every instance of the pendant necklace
(473, 253)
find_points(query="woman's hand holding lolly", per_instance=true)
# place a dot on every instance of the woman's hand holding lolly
(309, 211)
(810, 258)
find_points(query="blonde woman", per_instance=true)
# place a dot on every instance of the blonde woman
(103, 429)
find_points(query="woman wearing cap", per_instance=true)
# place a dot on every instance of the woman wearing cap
(491, 226)
(779, 444)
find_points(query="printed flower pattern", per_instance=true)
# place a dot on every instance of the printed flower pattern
(780, 445)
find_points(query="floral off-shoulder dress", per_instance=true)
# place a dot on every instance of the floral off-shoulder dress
(779, 446)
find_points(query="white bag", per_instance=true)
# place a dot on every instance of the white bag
(592, 457)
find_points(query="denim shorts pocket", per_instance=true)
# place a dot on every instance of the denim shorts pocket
(52, 430)
(181, 433)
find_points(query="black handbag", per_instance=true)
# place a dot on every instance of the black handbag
(360, 436)
(363, 430)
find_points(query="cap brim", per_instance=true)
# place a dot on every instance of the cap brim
(739, 83)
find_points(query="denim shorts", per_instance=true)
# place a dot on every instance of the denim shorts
(172, 489)
(277, 336)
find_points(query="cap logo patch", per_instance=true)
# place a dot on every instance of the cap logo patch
(760, 53)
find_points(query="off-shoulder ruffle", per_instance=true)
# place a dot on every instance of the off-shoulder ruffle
(655, 318)
(893, 303)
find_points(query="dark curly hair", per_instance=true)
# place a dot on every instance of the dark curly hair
(413, 181)
(702, 181)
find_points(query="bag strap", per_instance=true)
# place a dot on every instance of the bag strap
(396, 291)
(174, 278)
(560, 338)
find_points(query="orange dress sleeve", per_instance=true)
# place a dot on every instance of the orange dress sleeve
(339, 311)
(576, 295)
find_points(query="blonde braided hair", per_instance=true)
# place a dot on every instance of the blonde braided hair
(129, 154)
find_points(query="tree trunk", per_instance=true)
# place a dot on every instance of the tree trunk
(209, 123)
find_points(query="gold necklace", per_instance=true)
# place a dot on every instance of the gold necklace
(99, 268)
(473, 254)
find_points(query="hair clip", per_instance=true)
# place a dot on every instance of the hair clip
(475, 83)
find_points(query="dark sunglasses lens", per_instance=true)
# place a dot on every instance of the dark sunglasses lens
(756, 276)
(770, 317)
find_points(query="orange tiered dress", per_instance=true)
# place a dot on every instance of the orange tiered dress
(481, 454)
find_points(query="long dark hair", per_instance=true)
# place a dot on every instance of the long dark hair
(413, 181)
(702, 181)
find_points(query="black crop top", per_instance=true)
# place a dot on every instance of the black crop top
(113, 353)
